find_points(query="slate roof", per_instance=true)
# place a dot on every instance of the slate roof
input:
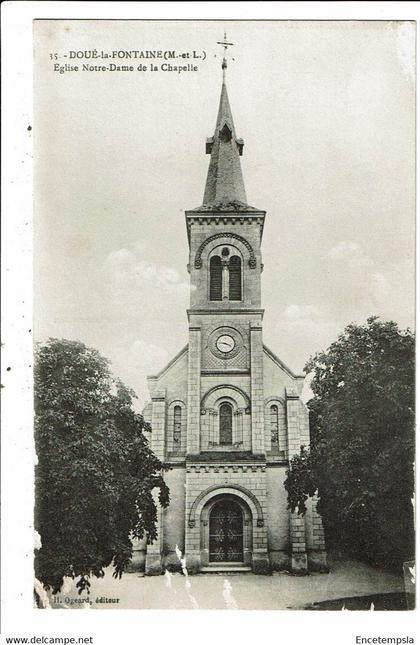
(225, 184)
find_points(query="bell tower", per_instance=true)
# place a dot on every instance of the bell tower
(225, 315)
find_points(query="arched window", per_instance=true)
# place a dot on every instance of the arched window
(215, 278)
(225, 424)
(274, 426)
(235, 281)
(177, 427)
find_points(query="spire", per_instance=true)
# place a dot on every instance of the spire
(224, 185)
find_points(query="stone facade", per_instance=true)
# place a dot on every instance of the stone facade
(226, 412)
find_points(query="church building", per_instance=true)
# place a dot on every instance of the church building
(226, 413)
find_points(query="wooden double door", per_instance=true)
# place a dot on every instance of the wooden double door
(226, 532)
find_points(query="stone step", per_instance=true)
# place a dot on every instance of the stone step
(226, 568)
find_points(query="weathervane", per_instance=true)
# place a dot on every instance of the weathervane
(225, 46)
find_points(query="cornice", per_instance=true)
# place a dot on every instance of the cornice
(239, 218)
(212, 312)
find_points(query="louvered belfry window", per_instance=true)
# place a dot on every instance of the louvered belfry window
(235, 281)
(215, 278)
(225, 424)
(177, 427)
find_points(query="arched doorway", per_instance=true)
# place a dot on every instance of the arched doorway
(226, 532)
(199, 529)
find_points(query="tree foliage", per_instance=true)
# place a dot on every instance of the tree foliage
(301, 481)
(362, 443)
(95, 473)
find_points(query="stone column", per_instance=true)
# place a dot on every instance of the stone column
(317, 555)
(153, 565)
(213, 434)
(225, 279)
(157, 442)
(260, 559)
(192, 523)
(293, 426)
(299, 558)
(193, 412)
(257, 392)
(239, 435)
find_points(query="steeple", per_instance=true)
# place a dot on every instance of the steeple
(225, 184)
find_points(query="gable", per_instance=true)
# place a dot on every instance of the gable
(172, 378)
(277, 376)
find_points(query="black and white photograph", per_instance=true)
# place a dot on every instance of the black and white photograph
(223, 317)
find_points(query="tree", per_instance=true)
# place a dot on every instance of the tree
(362, 443)
(95, 473)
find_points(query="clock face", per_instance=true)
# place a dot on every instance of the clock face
(225, 343)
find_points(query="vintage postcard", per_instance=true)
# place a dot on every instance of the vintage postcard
(223, 316)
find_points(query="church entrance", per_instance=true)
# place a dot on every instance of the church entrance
(226, 535)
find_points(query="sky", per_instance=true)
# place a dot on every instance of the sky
(326, 110)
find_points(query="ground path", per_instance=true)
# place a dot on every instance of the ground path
(230, 591)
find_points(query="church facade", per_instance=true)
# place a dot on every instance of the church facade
(226, 412)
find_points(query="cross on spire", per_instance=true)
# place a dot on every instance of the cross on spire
(225, 46)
